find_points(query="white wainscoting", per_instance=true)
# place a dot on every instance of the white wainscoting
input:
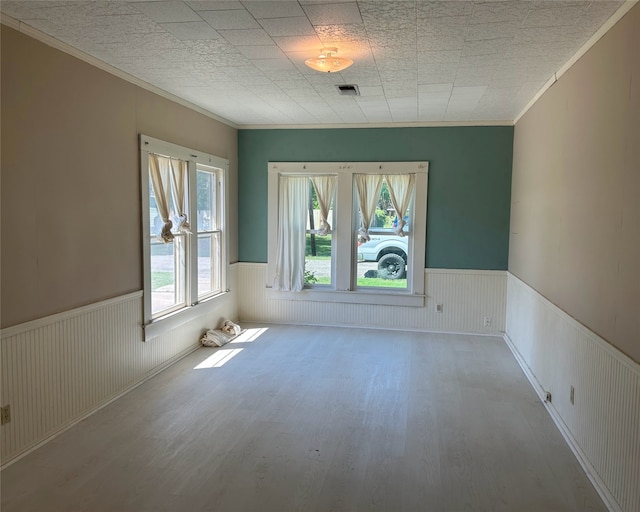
(467, 296)
(603, 426)
(59, 369)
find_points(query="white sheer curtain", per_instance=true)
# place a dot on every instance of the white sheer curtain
(291, 229)
(368, 186)
(325, 187)
(179, 185)
(159, 168)
(401, 187)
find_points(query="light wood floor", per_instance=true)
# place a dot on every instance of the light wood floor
(316, 419)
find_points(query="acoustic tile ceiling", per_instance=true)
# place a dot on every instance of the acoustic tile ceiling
(414, 61)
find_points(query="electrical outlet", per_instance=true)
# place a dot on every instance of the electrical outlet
(487, 321)
(5, 414)
(572, 395)
(439, 308)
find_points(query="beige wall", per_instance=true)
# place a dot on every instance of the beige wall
(70, 177)
(575, 216)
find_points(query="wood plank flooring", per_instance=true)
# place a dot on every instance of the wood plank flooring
(316, 419)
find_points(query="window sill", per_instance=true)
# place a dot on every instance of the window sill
(381, 297)
(166, 323)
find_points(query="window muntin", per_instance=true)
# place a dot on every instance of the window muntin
(344, 286)
(192, 268)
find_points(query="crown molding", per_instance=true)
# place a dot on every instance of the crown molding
(62, 46)
(426, 124)
(615, 17)
(94, 61)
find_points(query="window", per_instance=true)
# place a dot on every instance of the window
(318, 269)
(209, 230)
(184, 250)
(373, 251)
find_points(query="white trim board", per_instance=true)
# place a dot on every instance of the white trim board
(94, 61)
(467, 296)
(590, 471)
(57, 370)
(343, 267)
(617, 16)
(60, 45)
(38, 35)
(618, 355)
(65, 315)
(194, 305)
(423, 124)
(63, 428)
(601, 420)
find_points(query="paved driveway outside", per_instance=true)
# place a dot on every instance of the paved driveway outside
(323, 267)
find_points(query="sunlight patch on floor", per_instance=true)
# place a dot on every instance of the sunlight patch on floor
(221, 357)
(249, 335)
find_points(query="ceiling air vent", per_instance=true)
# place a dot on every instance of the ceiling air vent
(348, 90)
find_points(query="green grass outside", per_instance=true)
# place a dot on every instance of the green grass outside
(161, 278)
(323, 247)
(371, 281)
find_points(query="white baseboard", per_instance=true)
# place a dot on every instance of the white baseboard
(602, 426)
(74, 421)
(590, 471)
(57, 370)
(467, 296)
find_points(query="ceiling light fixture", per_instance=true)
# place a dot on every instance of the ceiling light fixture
(328, 62)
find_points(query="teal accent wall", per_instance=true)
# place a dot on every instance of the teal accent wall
(469, 189)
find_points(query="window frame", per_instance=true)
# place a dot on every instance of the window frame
(219, 228)
(194, 305)
(334, 208)
(344, 288)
